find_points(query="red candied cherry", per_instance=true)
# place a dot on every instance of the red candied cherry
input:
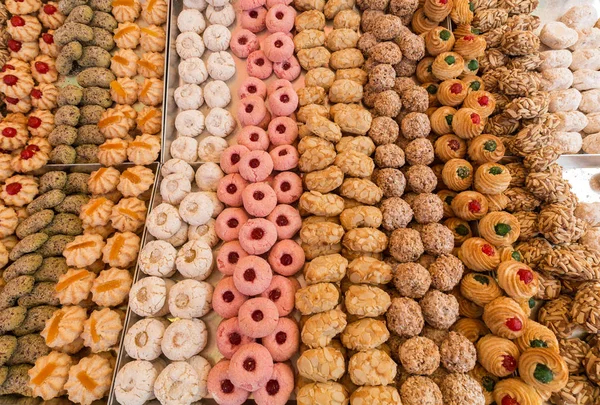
(11, 100)
(514, 324)
(235, 338)
(258, 195)
(474, 206)
(7, 67)
(34, 122)
(274, 295)
(36, 93)
(9, 132)
(508, 400)
(249, 364)
(257, 315)
(475, 119)
(249, 275)
(257, 233)
(282, 220)
(488, 250)
(286, 259)
(456, 88)
(42, 67)
(509, 363)
(228, 296)
(27, 154)
(33, 147)
(454, 144)
(49, 9)
(233, 257)
(10, 80)
(272, 387)
(13, 188)
(227, 387)
(525, 275)
(285, 186)
(443, 1)
(281, 337)
(17, 21)
(231, 188)
(48, 38)
(254, 163)
(14, 45)
(483, 101)
(469, 37)
(233, 223)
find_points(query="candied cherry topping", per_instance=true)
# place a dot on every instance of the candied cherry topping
(34, 122)
(275, 294)
(281, 337)
(7, 67)
(227, 387)
(285, 186)
(272, 387)
(454, 144)
(525, 275)
(508, 400)
(13, 188)
(258, 195)
(249, 275)
(286, 259)
(10, 80)
(42, 67)
(278, 44)
(257, 233)
(509, 363)
(475, 119)
(514, 324)
(474, 206)
(483, 101)
(249, 108)
(280, 128)
(228, 296)
(260, 62)
(233, 257)
(251, 89)
(254, 163)
(283, 152)
(469, 37)
(249, 364)
(233, 223)
(488, 250)
(36, 93)
(11, 100)
(242, 40)
(14, 45)
(9, 132)
(253, 13)
(456, 88)
(235, 158)
(27, 154)
(257, 315)
(284, 98)
(254, 137)
(231, 188)
(443, 1)
(279, 15)
(49, 9)
(48, 38)
(286, 66)
(282, 220)
(235, 338)
(17, 21)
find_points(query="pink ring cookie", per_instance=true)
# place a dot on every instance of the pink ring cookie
(256, 166)
(258, 317)
(231, 157)
(287, 221)
(285, 157)
(258, 65)
(243, 42)
(278, 389)
(282, 131)
(289, 69)
(286, 257)
(229, 223)
(221, 388)
(230, 337)
(280, 18)
(254, 138)
(252, 275)
(230, 188)
(254, 20)
(251, 367)
(259, 199)
(252, 87)
(251, 111)
(278, 47)
(227, 300)
(283, 101)
(251, 4)
(229, 254)
(284, 341)
(281, 292)
(257, 236)
(278, 84)
(288, 187)
(272, 3)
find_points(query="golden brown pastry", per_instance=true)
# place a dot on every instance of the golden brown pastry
(74, 286)
(96, 212)
(491, 178)
(89, 380)
(452, 92)
(421, 23)
(441, 120)
(101, 330)
(111, 287)
(469, 205)
(64, 327)
(479, 288)
(472, 329)
(460, 230)
(449, 147)
(457, 174)
(505, 318)
(486, 148)
(516, 390)
(424, 72)
(462, 12)
(103, 180)
(128, 215)
(517, 280)
(84, 250)
(537, 335)
(499, 228)
(470, 46)
(135, 181)
(479, 255)
(468, 123)
(48, 376)
(481, 101)
(439, 40)
(121, 249)
(544, 369)
(437, 10)
(447, 65)
(497, 355)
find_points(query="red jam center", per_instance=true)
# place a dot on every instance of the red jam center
(242, 40)
(48, 38)
(285, 186)
(488, 250)
(233, 223)
(280, 128)
(283, 152)
(249, 108)
(49, 9)
(284, 98)
(227, 387)
(42, 67)
(509, 363)
(286, 259)
(14, 45)
(278, 44)
(13, 188)
(279, 15)
(233, 257)
(456, 88)
(34, 122)
(514, 324)
(231, 188)
(272, 387)
(257, 315)
(27, 154)
(508, 400)
(228, 296)
(282, 220)
(235, 338)
(251, 89)
(235, 158)
(254, 137)
(454, 144)
(254, 163)
(275, 294)
(17, 21)
(475, 119)
(474, 206)
(249, 275)
(37, 94)
(260, 62)
(257, 233)
(10, 80)
(286, 65)
(249, 364)
(253, 13)
(281, 337)
(11, 100)
(9, 132)
(258, 195)
(525, 275)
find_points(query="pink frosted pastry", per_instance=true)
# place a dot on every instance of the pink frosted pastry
(227, 300)
(281, 292)
(258, 317)
(278, 47)
(282, 131)
(284, 341)
(283, 101)
(252, 86)
(278, 389)
(257, 236)
(221, 388)
(254, 20)
(256, 166)
(258, 65)
(229, 255)
(288, 187)
(230, 337)
(259, 199)
(230, 189)
(251, 111)
(285, 157)
(278, 84)
(287, 221)
(230, 158)
(251, 367)
(251, 4)
(254, 138)
(289, 69)
(252, 275)
(280, 18)
(230, 222)
(286, 257)
(243, 42)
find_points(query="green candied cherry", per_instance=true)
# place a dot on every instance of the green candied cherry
(516, 255)
(543, 374)
(449, 119)
(432, 89)
(488, 383)
(537, 343)
(490, 146)
(473, 65)
(476, 85)
(463, 172)
(502, 229)
(495, 170)
(461, 230)
(481, 279)
(450, 60)
(445, 35)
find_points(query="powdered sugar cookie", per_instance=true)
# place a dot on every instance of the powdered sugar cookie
(142, 341)
(157, 258)
(208, 176)
(216, 37)
(202, 367)
(221, 15)
(189, 97)
(134, 383)
(190, 299)
(197, 4)
(177, 166)
(195, 260)
(148, 296)
(193, 70)
(220, 122)
(191, 20)
(177, 384)
(185, 148)
(205, 233)
(189, 45)
(163, 221)
(189, 123)
(211, 148)
(174, 188)
(221, 65)
(217, 94)
(196, 209)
